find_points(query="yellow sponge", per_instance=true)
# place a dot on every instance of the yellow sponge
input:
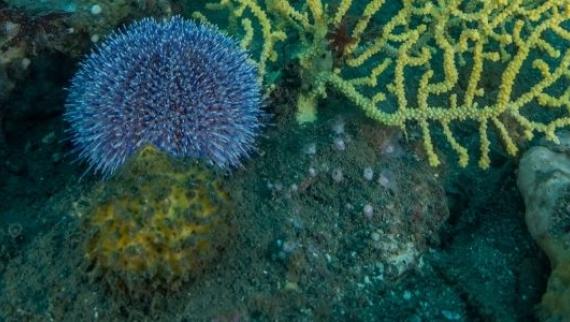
(155, 225)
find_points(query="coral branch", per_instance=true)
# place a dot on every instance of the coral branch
(443, 62)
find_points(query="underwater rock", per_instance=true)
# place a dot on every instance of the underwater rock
(158, 224)
(544, 181)
(354, 204)
(22, 37)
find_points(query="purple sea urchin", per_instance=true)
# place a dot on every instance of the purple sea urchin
(186, 88)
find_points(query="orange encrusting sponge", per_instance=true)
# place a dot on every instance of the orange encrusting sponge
(156, 224)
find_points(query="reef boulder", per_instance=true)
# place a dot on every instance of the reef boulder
(544, 182)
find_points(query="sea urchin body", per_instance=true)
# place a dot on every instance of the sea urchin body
(187, 89)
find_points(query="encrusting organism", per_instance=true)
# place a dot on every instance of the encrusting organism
(157, 223)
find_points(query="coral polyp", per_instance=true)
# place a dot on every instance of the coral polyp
(188, 89)
(156, 225)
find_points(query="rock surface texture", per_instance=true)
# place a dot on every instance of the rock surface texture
(544, 181)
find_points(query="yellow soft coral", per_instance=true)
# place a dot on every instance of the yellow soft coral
(433, 63)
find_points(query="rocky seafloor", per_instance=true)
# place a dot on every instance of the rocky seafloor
(340, 220)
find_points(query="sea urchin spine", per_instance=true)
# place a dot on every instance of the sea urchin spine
(186, 88)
